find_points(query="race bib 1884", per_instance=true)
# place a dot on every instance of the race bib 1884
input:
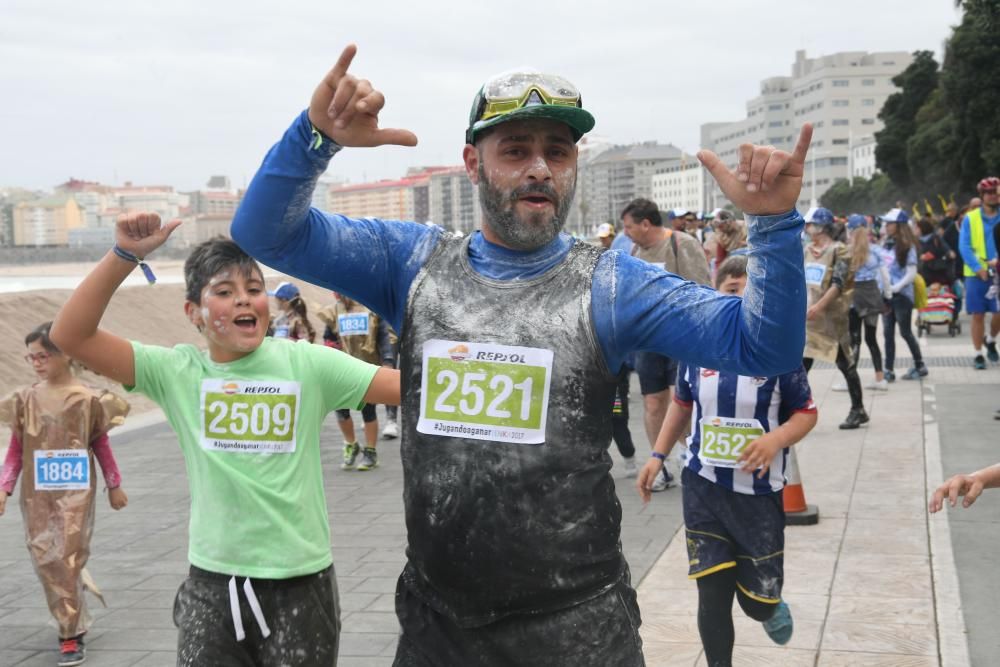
(249, 416)
(484, 391)
(62, 469)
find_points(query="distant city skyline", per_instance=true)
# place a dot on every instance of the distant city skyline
(117, 92)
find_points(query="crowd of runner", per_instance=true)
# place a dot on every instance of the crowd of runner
(515, 348)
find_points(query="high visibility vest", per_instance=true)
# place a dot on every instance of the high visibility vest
(977, 237)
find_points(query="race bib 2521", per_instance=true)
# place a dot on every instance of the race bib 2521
(485, 391)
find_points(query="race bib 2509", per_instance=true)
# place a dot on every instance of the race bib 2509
(249, 416)
(484, 391)
(62, 469)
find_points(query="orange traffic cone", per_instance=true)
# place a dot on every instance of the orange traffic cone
(797, 512)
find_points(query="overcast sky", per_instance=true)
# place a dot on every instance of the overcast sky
(175, 92)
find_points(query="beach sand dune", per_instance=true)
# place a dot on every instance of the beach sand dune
(151, 314)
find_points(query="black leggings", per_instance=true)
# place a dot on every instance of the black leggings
(900, 313)
(871, 339)
(715, 614)
(850, 372)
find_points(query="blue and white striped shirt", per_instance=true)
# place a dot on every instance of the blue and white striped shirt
(770, 401)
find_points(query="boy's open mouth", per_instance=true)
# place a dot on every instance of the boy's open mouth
(248, 322)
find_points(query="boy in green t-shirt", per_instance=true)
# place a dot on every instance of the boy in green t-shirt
(247, 415)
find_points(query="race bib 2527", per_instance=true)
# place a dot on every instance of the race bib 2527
(484, 391)
(250, 416)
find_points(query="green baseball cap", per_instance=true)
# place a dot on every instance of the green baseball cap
(527, 94)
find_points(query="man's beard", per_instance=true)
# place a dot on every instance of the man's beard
(513, 231)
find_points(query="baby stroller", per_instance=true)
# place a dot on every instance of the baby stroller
(940, 310)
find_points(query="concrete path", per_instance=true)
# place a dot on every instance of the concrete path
(877, 582)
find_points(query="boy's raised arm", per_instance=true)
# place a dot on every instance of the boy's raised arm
(74, 330)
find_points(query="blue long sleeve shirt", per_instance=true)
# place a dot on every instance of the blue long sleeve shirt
(965, 241)
(635, 306)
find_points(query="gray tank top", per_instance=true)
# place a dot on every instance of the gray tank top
(499, 526)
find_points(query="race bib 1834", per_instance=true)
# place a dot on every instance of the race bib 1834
(62, 469)
(815, 273)
(723, 439)
(353, 324)
(485, 391)
(249, 416)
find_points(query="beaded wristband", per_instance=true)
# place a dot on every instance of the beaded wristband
(129, 257)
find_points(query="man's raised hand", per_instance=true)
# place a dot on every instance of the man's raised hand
(766, 181)
(345, 108)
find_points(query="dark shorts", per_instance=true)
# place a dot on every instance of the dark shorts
(368, 414)
(975, 296)
(656, 372)
(303, 615)
(726, 529)
(601, 632)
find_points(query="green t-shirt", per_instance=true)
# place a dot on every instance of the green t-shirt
(249, 431)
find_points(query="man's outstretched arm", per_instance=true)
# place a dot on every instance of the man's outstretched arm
(761, 334)
(370, 260)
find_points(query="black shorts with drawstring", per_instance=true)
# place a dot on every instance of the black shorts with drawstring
(302, 615)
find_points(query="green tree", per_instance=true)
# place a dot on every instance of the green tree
(970, 84)
(899, 114)
(932, 153)
(863, 196)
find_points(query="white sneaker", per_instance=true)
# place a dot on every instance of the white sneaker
(878, 385)
(663, 481)
(839, 386)
(390, 431)
(631, 469)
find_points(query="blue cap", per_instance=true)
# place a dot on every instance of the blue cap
(896, 215)
(819, 216)
(856, 220)
(285, 292)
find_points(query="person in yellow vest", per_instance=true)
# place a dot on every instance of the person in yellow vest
(979, 252)
(365, 336)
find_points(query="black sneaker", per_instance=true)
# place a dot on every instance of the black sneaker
(916, 373)
(855, 418)
(369, 459)
(72, 652)
(979, 363)
(991, 352)
(890, 376)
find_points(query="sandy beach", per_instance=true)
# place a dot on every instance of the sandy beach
(152, 314)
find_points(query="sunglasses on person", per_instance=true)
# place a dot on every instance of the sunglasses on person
(506, 93)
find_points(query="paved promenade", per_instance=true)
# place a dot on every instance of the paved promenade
(877, 582)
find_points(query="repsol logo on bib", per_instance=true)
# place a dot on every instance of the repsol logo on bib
(262, 390)
(513, 358)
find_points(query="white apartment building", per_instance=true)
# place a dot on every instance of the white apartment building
(681, 185)
(453, 201)
(387, 199)
(840, 94)
(863, 157)
(618, 175)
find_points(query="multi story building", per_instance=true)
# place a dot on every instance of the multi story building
(407, 198)
(47, 221)
(681, 185)
(453, 201)
(863, 157)
(618, 175)
(840, 94)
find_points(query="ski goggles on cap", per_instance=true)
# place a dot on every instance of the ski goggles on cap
(518, 95)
